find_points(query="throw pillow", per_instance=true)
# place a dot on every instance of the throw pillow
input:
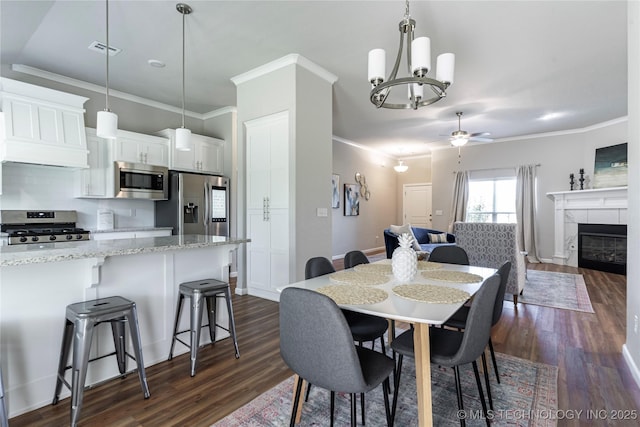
(437, 238)
(406, 228)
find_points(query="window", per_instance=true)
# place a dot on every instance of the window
(492, 200)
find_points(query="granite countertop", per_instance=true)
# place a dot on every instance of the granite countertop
(66, 251)
(125, 229)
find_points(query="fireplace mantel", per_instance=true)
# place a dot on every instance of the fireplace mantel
(595, 206)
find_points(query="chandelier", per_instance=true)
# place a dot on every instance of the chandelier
(418, 65)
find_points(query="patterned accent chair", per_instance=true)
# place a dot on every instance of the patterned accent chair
(490, 245)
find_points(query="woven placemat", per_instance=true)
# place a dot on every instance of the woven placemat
(373, 268)
(351, 294)
(429, 265)
(431, 293)
(452, 276)
(357, 278)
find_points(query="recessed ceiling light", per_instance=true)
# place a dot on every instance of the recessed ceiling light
(156, 63)
(550, 116)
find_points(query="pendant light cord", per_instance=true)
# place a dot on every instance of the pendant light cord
(107, 85)
(183, 17)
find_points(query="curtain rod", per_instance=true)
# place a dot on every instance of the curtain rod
(493, 169)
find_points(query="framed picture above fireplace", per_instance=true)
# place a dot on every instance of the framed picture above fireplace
(610, 167)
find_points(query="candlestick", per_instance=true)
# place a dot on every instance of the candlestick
(571, 181)
(581, 179)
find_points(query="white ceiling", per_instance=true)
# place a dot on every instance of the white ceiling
(515, 60)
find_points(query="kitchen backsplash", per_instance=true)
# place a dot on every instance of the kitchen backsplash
(34, 187)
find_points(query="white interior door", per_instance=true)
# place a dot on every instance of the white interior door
(416, 205)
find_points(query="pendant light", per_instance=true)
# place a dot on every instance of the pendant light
(183, 135)
(400, 167)
(107, 121)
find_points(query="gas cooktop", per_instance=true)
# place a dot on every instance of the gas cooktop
(24, 227)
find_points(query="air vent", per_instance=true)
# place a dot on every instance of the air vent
(102, 48)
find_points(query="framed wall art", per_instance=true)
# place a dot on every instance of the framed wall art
(335, 191)
(351, 200)
(610, 167)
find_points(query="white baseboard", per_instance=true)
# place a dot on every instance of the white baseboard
(631, 364)
(233, 274)
(366, 251)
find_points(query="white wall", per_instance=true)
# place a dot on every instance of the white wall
(365, 230)
(558, 156)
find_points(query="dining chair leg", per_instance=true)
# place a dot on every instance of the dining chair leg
(456, 374)
(387, 410)
(353, 410)
(396, 383)
(485, 369)
(332, 406)
(482, 401)
(306, 396)
(493, 358)
(362, 406)
(296, 398)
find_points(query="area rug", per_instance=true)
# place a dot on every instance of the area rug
(557, 290)
(526, 396)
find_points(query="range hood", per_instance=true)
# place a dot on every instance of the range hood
(41, 126)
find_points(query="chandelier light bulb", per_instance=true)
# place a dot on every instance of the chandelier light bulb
(420, 56)
(418, 91)
(445, 64)
(377, 58)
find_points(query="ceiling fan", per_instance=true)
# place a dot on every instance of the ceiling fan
(461, 137)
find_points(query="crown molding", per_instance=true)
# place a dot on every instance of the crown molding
(285, 61)
(567, 132)
(219, 112)
(36, 72)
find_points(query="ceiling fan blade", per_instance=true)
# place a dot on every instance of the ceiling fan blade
(479, 134)
(478, 139)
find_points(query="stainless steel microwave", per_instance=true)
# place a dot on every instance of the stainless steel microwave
(140, 181)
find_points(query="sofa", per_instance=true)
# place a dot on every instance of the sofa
(421, 236)
(490, 245)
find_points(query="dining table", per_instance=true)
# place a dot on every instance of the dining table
(431, 297)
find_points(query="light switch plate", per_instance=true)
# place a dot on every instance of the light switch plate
(438, 211)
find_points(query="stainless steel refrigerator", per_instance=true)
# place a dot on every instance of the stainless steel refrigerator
(197, 204)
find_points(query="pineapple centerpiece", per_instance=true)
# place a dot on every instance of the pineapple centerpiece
(404, 261)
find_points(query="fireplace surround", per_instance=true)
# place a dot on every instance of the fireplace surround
(603, 247)
(593, 206)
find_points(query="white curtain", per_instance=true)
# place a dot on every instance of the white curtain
(460, 198)
(526, 210)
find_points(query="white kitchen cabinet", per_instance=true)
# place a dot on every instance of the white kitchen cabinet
(92, 182)
(41, 126)
(206, 154)
(268, 215)
(140, 148)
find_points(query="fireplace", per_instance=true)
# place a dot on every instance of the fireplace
(603, 247)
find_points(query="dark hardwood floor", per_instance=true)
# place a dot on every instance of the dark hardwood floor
(586, 347)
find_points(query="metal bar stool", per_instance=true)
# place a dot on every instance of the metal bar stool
(81, 319)
(4, 418)
(210, 290)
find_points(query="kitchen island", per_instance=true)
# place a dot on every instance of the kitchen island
(38, 281)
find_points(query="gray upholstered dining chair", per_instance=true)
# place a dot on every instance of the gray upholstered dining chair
(459, 318)
(453, 348)
(316, 343)
(449, 255)
(353, 258)
(364, 327)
